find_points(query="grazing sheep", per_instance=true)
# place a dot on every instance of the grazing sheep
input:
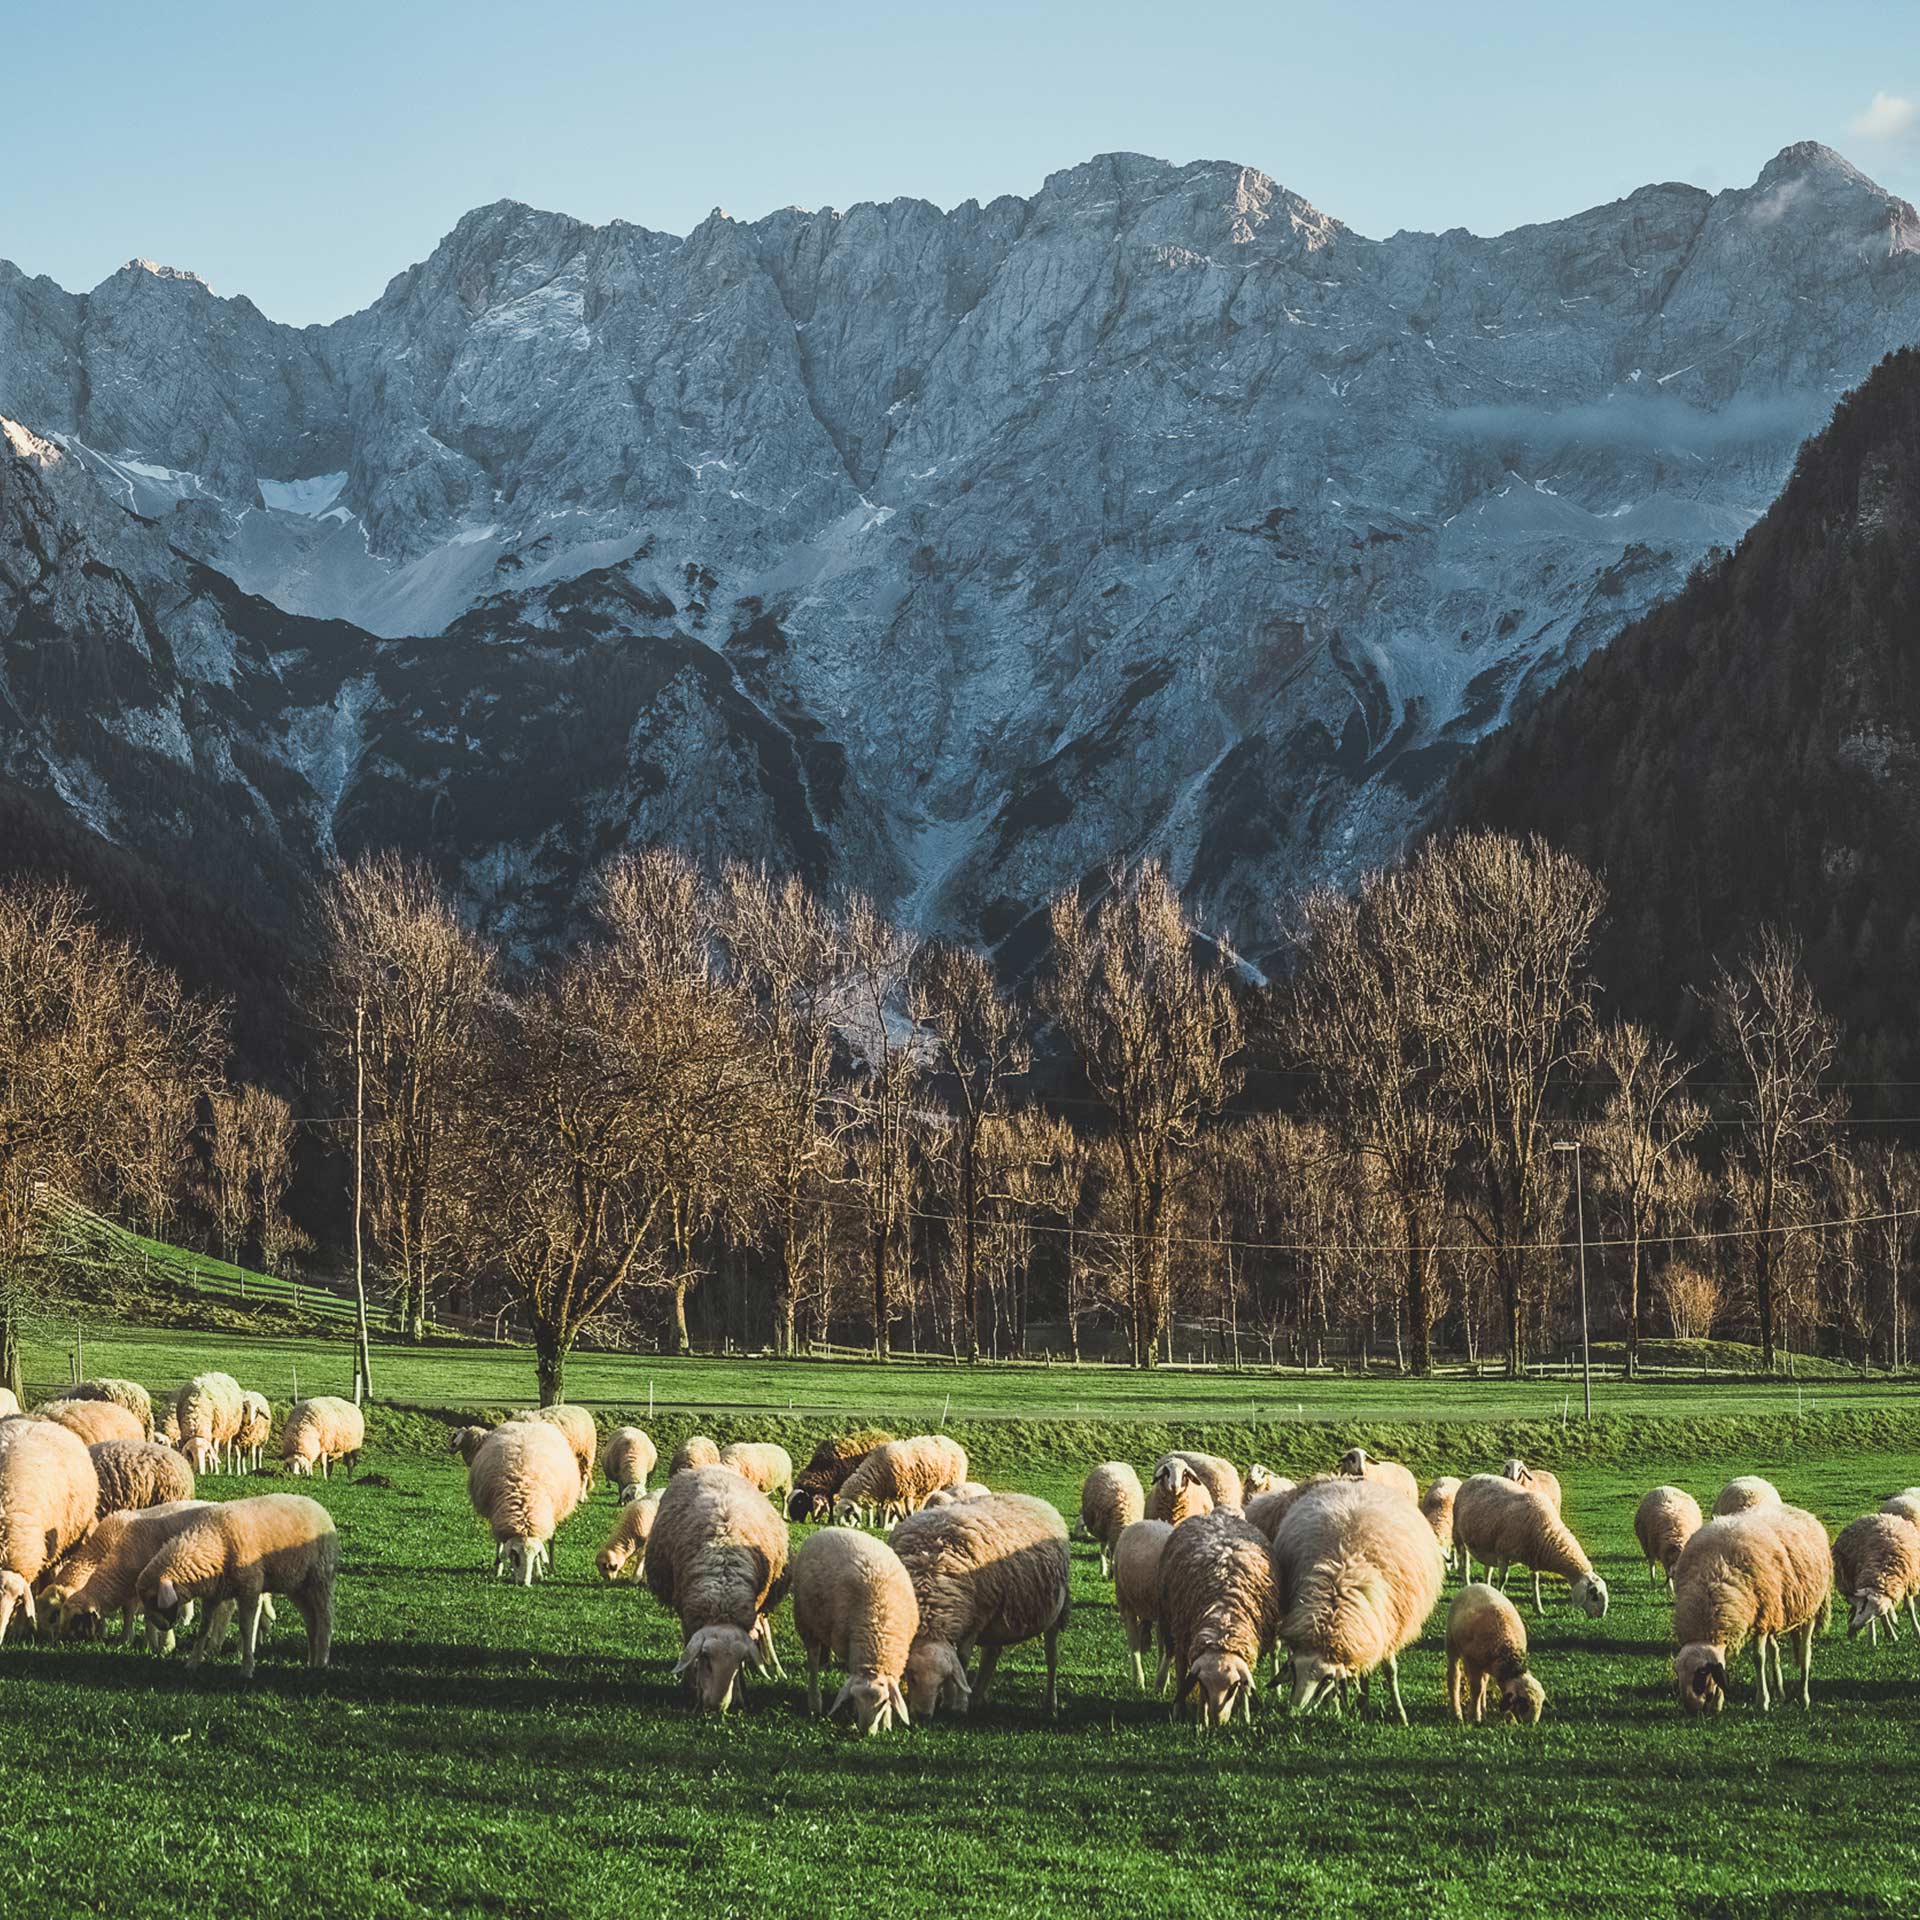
(1218, 1611)
(826, 1473)
(1356, 1577)
(166, 1426)
(1876, 1570)
(319, 1432)
(1906, 1504)
(256, 1429)
(761, 1464)
(576, 1425)
(1136, 1588)
(1220, 1477)
(989, 1574)
(895, 1479)
(123, 1393)
(958, 1496)
(138, 1473)
(1267, 1508)
(523, 1482)
(1177, 1492)
(696, 1451)
(467, 1441)
(231, 1556)
(625, 1553)
(1357, 1464)
(98, 1577)
(1111, 1500)
(1436, 1508)
(853, 1602)
(1536, 1480)
(1487, 1640)
(718, 1559)
(1504, 1524)
(1744, 1493)
(1764, 1572)
(627, 1459)
(208, 1409)
(1667, 1518)
(91, 1420)
(49, 1495)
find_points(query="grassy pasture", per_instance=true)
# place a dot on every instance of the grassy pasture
(479, 1749)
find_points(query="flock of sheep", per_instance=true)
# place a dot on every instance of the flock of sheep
(1321, 1583)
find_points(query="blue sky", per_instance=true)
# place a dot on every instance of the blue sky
(304, 155)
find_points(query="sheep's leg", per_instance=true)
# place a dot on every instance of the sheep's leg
(1454, 1690)
(1779, 1679)
(212, 1631)
(1893, 1628)
(1393, 1687)
(1052, 1644)
(1139, 1658)
(1873, 1632)
(1537, 1607)
(1761, 1698)
(989, 1659)
(813, 1679)
(1913, 1613)
(1106, 1565)
(1806, 1662)
(249, 1634)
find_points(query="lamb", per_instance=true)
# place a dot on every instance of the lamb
(1356, 1577)
(695, 1451)
(1220, 1477)
(895, 1479)
(957, 1496)
(49, 1495)
(232, 1556)
(138, 1473)
(627, 1459)
(123, 1393)
(1177, 1493)
(1136, 1588)
(1111, 1500)
(1667, 1518)
(1357, 1464)
(1487, 1640)
(1906, 1504)
(91, 1420)
(718, 1558)
(256, 1428)
(826, 1473)
(467, 1441)
(98, 1577)
(319, 1432)
(1505, 1524)
(208, 1408)
(761, 1464)
(853, 1602)
(1536, 1480)
(523, 1482)
(989, 1574)
(1876, 1568)
(576, 1425)
(1744, 1493)
(1218, 1611)
(1765, 1571)
(625, 1553)
(1437, 1510)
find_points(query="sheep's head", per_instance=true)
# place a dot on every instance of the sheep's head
(1866, 1607)
(803, 1504)
(202, 1455)
(1223, 1681)
(162, 1603)
(613, 1558)
(1516, 1470)
(1590, 1596)
(1173, 1476)
(69, 1620)
(465, 1441)
(876, 1703)
(711, 1661)
(15, 1595)
(1261, 1479)
(1353, 1463)
(1700, 1678)
(521, 1560)
(1522, 1698)
(1314, 1677)
(937, 1677)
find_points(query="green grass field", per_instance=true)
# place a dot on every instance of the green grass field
(480, 1749)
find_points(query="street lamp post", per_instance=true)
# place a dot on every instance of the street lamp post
(1580, 1216)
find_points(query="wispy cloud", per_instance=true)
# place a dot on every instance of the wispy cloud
(1888, 116)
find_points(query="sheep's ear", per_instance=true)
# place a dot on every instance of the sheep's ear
(686, 1661)
(899, 1701)
(26, 1601)
(1186, 1687)
(840, 1698)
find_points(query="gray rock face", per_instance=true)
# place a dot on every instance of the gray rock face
(955, 554)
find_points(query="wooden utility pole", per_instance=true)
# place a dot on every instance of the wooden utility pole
(363, 1382)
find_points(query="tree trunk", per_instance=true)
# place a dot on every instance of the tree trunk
(1417, 1316)
(881, 1340)
(550, 1362)
(1633, 1308)
(1510, 1299)
(681, 1342)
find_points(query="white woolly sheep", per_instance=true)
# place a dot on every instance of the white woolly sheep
(9, 1405)
(761, 1464)
(1267, 1508)
(91, 1421)
(139, 1473)
(718, 1559)
(1357, 1464)
(990, 1574)
(1219, 1476)
(467, 1441)
(1744, 1493)
(1504, 1524)
(1262, 1479)
(577, 1426)
(319, 1432)
(1666, 1519)
(853, 1602)
(123, 1393)
(1537, 1481)
(1905, 1503)
(98, 1577)
(1177, 1492)
(695, 1451)
(1136, 1589)
(1218, 1612)
(958, 1496)
(625, 1553)
(1762, 1572)
(256, 1428)
(627, 1459)
(1436, 1508)
(1487, 1640)
(166, 1425)
(1111, 1500)
(208, 1409)
(49, 1496)
(523, 1482)
(1356, 1577)
(231, 1556)
(1876, 1571)
(895, 1479)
